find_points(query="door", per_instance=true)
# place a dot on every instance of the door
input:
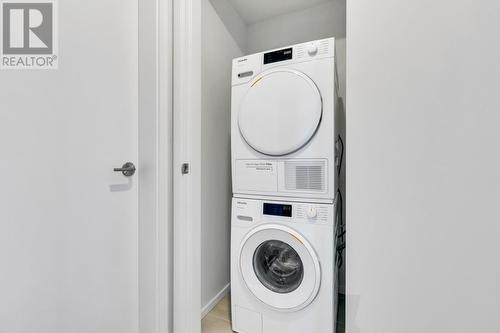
(68, 222)
(280, 112)
(280, 267)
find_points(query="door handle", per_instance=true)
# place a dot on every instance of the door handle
(128, 169)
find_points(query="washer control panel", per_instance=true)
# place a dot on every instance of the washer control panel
(250, 211)
(313, 212)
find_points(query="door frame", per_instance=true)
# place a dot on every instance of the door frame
(155, 165)
(187, 149)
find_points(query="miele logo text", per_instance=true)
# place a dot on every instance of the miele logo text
(29, 35)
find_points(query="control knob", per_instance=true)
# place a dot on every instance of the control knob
(311, 212)
(312, 50)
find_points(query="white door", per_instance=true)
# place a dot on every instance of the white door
(280, 112)
(68, 223)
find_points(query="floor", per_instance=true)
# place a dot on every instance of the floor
(219, 319)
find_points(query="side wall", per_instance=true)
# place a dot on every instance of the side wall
(218, 50)
(233, 22)
(423, 180)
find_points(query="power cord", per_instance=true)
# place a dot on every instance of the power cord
(341, 231)
(339, 167)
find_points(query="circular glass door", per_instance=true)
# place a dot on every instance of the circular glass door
(280, 267)
(280, 112)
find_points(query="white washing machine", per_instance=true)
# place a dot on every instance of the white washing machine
(283, 126)
(283, 276)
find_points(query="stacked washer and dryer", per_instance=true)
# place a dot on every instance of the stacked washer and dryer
(285, 160)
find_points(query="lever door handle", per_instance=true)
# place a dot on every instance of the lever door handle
(128, 169)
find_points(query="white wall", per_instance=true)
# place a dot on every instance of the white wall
(218, 50)
(321, 21)
(423, 166)
(235, 25)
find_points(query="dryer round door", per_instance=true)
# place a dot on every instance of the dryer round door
(280, 267)
(280, 112)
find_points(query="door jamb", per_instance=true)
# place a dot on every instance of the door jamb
(155, 165)
(187, 149)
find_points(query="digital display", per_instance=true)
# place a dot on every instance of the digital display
(276, 56)
(278, 210)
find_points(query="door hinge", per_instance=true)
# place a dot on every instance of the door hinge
(185, 168)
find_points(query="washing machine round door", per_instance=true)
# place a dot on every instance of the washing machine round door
(280, 112)
(280, 267)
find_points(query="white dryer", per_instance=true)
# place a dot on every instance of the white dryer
(283, 277)
(284, 105)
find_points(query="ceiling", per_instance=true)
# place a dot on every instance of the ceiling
(252, 11)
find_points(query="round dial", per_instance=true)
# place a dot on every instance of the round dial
(312, 212)
(312, 50)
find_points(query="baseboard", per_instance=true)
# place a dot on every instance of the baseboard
(220, 295)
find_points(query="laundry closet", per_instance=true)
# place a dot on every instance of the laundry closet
(232, 29)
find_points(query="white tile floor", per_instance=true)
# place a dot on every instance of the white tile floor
(219, 319)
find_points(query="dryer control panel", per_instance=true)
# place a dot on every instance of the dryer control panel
(246, 68)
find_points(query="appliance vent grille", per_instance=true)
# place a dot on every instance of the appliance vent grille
(305, 176)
